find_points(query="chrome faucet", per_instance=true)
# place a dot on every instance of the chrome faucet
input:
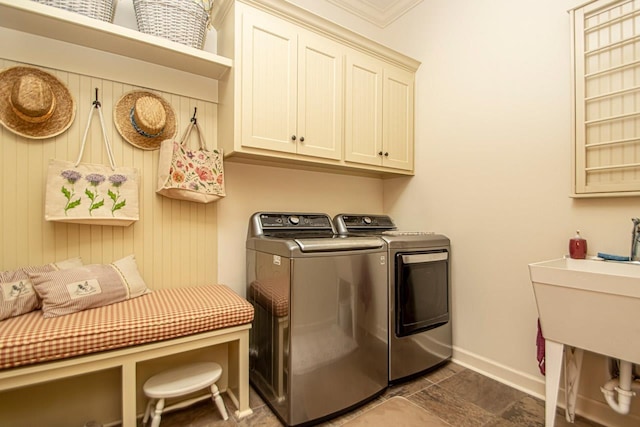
(635, 238)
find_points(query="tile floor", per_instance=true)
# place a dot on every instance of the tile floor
(459, 396)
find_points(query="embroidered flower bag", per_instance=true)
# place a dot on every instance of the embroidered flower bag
(193, 175)
(87, 193)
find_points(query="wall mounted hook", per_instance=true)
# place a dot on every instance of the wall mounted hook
(96, 103)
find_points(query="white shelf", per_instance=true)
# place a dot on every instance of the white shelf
(42, 20)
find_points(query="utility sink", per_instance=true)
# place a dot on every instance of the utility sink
(590, 304)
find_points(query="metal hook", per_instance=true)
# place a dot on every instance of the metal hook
(96, 103)
(193, 119)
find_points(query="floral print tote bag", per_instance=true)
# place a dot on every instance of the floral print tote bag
(192, 175)
(87, 193)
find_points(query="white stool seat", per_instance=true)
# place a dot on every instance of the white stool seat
(179, 382)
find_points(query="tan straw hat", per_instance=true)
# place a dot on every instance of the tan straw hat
(144, 119)
(34, 103)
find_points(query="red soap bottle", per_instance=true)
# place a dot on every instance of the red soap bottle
(578, 247)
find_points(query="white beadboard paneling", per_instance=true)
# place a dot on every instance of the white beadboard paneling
(174, 241)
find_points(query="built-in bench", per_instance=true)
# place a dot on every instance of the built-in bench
(34, 349)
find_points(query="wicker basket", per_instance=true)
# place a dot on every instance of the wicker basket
(182, 21)
(96, 9)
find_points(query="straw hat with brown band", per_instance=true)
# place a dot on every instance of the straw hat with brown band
(34, 103)
(144, 119)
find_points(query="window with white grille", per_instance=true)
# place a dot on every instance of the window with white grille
(606, 78)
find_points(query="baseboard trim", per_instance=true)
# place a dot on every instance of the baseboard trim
(588, 408)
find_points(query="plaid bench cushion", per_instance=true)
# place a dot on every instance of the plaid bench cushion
(160, 315)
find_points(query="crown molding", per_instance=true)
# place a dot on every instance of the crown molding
(378, 12)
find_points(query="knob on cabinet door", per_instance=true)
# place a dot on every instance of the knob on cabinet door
(293, 137)
(386, 154)
(379, 153)
(302, 139)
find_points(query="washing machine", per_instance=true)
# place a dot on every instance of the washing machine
(319, 340)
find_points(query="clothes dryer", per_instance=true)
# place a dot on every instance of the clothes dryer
(419, 293)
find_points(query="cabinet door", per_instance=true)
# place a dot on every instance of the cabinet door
(269, 76)
(320, 96)
(397, 113)
(363, 115)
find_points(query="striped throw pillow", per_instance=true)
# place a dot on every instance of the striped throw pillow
(90, 286)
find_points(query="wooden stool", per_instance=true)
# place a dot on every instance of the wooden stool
(179, 382)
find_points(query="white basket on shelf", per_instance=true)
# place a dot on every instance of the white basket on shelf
(96, 9)
(182, 21)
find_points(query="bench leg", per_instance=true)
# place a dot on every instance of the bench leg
(238, 389)
(217, 399)
(129, 418)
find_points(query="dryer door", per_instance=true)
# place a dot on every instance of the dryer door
(422, 291)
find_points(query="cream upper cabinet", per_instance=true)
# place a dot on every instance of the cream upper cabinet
(363, 118)
(320, 96)
(305, 92)
(379, 113)
(291, 88)
(397, 113)
(268, 83)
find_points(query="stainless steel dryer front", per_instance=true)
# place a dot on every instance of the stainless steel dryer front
(318, 345)
(420, 335)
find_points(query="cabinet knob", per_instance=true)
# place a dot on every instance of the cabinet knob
(379, 153)
(302, 139)
(293, 137)
(386, 154)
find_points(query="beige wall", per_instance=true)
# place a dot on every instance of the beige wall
(494, 98)
(493, 172)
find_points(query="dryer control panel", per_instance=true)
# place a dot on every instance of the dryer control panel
(350, 223)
